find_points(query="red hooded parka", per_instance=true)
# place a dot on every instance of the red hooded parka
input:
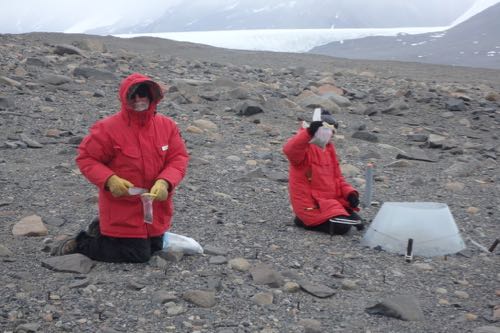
(317, 189)
(140, 147)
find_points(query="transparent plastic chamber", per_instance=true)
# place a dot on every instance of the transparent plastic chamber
(429, 224)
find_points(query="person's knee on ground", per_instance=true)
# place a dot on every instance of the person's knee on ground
(340, 229)
(110, 249)
(336, 229)
(156, 244)
(352, 219)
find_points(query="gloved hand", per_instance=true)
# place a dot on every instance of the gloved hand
(353, 200)
(118, 186)
(313, 127)
(160, 190)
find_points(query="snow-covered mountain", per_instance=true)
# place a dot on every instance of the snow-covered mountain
(476, 8)
(474, 42)
(202, 15)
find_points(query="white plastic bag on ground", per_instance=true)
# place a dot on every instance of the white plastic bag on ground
(180, 243)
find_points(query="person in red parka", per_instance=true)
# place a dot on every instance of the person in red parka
(321, 198)
(134, 149)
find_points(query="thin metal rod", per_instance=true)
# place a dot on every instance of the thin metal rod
(481, 247)
(367, 198)
(494, 245)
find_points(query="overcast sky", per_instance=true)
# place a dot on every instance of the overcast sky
(17, 16)
(59, 15)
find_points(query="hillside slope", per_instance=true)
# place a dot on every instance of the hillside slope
(473, 43)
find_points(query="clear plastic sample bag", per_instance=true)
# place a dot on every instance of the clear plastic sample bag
(324, 133)
(322, 136)
(147, 207)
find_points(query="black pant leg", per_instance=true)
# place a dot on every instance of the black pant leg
(156, 244)
(338, 229)
(111, 249)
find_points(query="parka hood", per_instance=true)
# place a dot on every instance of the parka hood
(140, 118)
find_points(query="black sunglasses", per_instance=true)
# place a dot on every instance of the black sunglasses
(141, 94)
(141, 91)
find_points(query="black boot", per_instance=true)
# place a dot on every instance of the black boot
(353, 219)
(93, 229)
(354, 216)
(298, 222)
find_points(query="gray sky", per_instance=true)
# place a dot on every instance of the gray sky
(17, 16)
(59, 15)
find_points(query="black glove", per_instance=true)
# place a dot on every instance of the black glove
(353, 200)
(313, 127)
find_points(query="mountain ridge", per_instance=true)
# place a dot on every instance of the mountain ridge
(472, 43)
(308, 14)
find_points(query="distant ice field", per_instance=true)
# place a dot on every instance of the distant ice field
(280, 40)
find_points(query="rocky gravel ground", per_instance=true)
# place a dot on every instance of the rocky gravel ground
(432, 133)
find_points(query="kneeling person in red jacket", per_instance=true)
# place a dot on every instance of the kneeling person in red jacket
(135, 147)
(320, 196)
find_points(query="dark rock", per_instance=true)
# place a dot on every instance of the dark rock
(401, 307)
(205, 299)
(37, 61)
(30, 142)
(135, 285)
(264, 274)
(79, 283)
(317, 290)
(56, 80)
(93, 73)
(417, 155)
(28, 327)
(417, 137)
(248, 109)
(63, 49)
(366, 136)
(455, 104)
(71, 263)
(6, 103)
(213, 250)
(217, 260)
(75, 140)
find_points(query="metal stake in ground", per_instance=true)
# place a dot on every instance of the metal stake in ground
(409, 250)
(494, 245)
(367, 198)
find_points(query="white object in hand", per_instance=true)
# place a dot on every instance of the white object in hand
(137, 190)
(317, 114)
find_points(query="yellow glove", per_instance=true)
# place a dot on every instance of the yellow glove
(160, 190)
(118, 186)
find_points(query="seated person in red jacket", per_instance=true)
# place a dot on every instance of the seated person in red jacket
(321, 198)
(134, 148)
